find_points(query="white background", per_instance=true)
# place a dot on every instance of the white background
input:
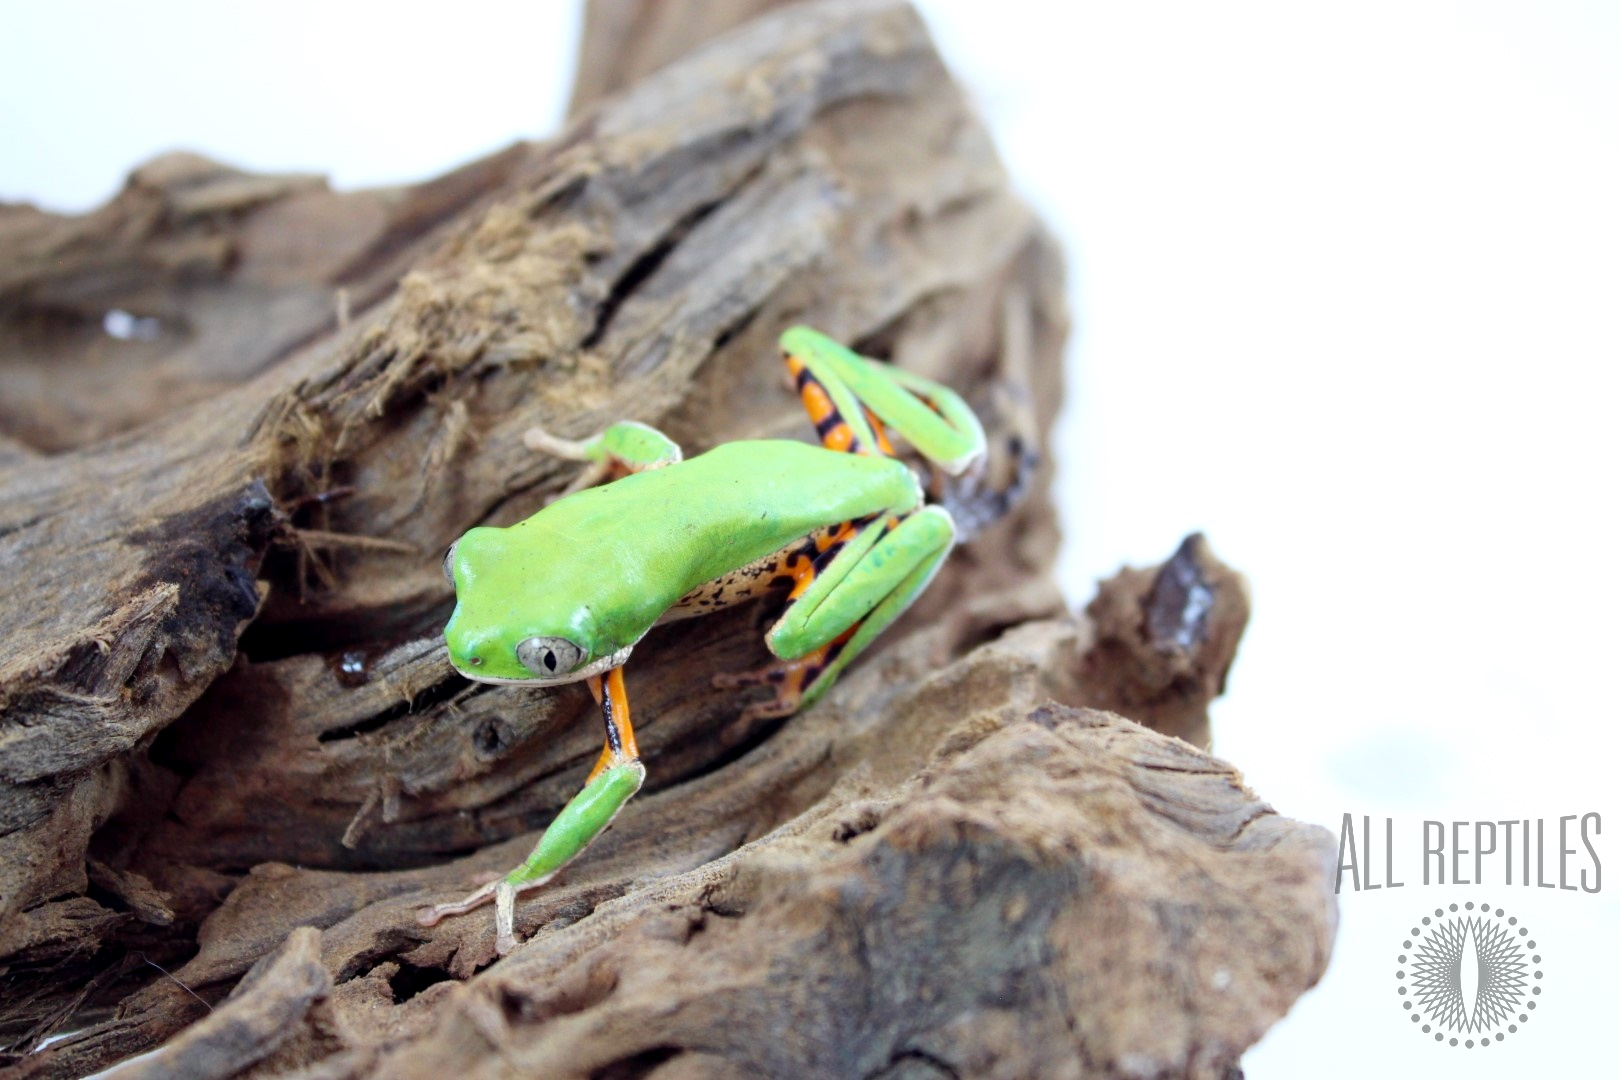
(1346, 280)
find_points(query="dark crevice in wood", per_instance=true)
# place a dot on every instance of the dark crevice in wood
(424, 700)
(411, 980)
(643, 268)
(637, 1065)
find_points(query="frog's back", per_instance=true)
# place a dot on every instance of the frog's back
(734, 504)
(669, 530)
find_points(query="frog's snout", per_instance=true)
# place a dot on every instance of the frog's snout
(466, 659)
(468, 652)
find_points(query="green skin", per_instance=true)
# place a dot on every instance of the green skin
(567, 593)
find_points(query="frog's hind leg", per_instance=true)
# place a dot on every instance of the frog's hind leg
(841, 422)
(628, 446)
(850, 397)
(617, 776)
(870, 581)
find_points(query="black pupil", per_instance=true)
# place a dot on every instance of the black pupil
(550, 660)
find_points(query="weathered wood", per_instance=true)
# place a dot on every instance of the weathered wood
(226, 708)
(263, 1012)
(627, 40)
(1163, 640)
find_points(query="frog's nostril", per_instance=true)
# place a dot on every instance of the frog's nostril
(467, 648)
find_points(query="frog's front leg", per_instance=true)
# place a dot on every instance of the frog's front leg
(844, 602)
(628, 446)
(617, 776)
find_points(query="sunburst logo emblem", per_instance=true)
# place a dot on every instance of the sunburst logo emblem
(1470, 976)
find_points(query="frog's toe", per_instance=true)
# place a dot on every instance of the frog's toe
(791, 680)
(771, 708)
(734, 680)
(430, 916)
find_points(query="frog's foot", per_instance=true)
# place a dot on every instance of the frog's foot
(597, 472)
(617, 450)
(792, 680)
(486, 882)
(505, 895)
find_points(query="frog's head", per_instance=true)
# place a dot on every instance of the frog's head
(513, 622)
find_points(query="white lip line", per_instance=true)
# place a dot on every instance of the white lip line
(596, 667)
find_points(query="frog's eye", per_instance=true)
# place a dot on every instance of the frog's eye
(549, 656)
(449, 564)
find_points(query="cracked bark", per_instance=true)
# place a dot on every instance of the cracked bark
(226, 711)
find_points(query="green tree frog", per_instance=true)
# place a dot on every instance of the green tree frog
(842, 528)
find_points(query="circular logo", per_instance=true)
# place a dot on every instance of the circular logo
(1468, 977)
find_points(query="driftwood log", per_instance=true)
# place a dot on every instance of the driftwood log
(242, 416)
